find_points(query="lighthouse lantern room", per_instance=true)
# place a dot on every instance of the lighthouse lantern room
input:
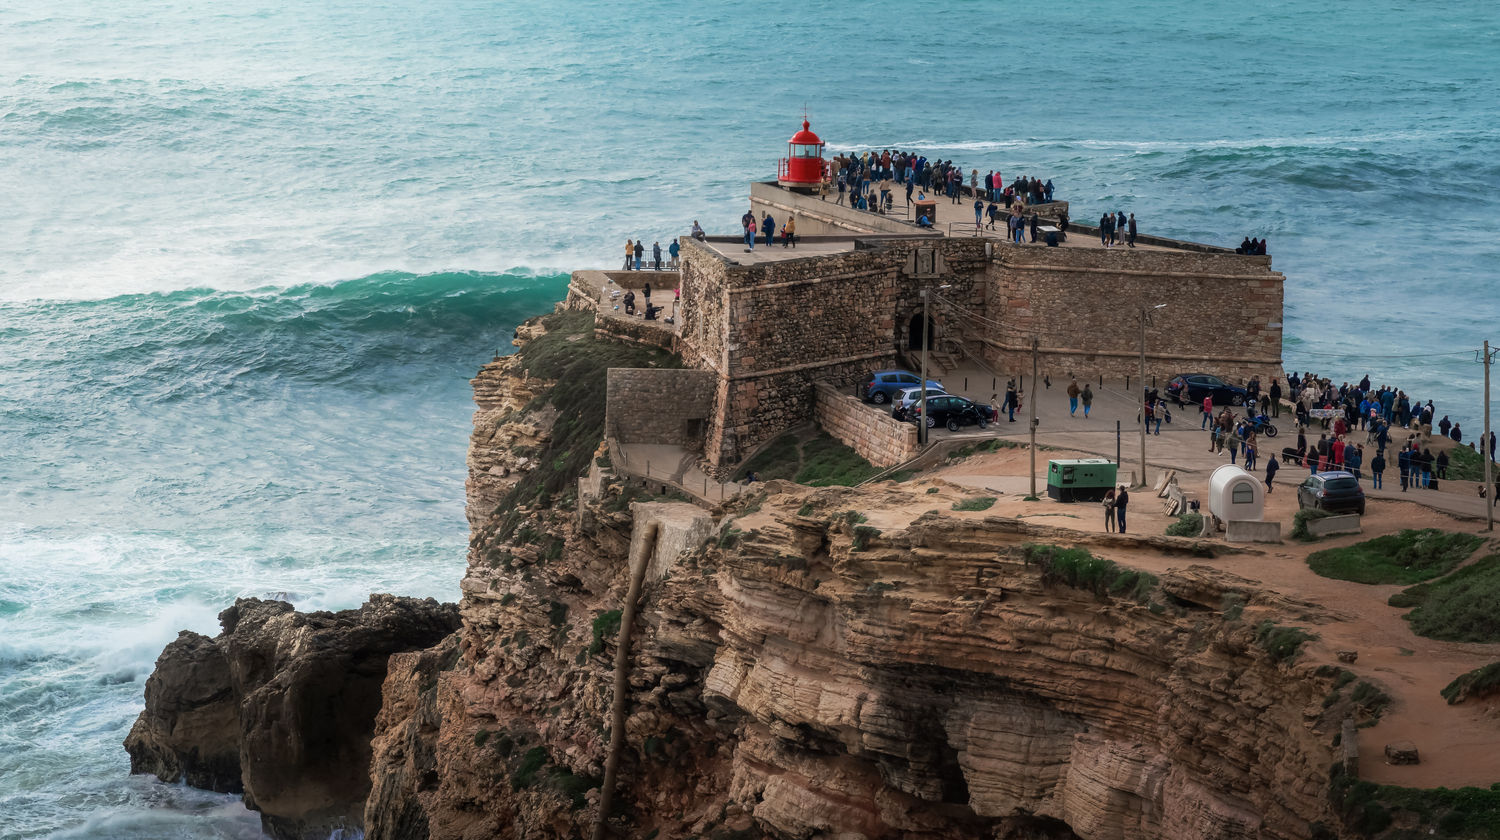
(802, 168)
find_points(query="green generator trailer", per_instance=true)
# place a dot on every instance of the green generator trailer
(1082, 479)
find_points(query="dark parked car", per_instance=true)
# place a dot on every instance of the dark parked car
(952, 412)
(1336, 492)
(881, 385)
(1193, 387)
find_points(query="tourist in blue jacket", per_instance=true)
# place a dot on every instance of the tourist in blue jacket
(768, 227)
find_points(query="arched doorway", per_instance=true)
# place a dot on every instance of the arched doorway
(916, 333)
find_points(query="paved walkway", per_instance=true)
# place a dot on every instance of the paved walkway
(1182, 444)
(672, 465)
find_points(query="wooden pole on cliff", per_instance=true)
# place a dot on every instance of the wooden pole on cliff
(1034, 344)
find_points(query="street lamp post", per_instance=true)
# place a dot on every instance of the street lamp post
(926, 343)
(1141, 401)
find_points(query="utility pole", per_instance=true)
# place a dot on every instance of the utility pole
(1484, 451)
(926, 342)
(1034, 344)
(1140, 401)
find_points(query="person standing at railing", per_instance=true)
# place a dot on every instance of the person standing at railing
(629, 254)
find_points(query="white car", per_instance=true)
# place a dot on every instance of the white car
(906, 398)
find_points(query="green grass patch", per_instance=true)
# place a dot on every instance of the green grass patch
(827, 462)
(817, 461)
(1370, 699)
(1464, 464)
(862, 536)
(1077, 568)
(977, 503)
(1409, 557)
(605, 627)
(781, 458)
(1459, 607)
(1187, 525)
(1479, 682)
(557, 613)
(526, 771)
(1284, 644)
(1369, 809)
(1300, 519)
(570, 355)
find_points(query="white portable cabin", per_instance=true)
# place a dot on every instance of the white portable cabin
(1235, 495)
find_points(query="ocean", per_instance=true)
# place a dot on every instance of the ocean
(250, 255)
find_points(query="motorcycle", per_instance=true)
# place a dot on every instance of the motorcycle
(1261, 425)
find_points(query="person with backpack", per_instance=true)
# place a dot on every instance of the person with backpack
(1087, 398)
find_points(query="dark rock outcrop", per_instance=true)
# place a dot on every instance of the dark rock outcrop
(281, 706)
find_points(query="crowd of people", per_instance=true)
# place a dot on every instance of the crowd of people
(870, 181)
(635, 254)
(767, 226)
(1341, 413)
(1252, 246)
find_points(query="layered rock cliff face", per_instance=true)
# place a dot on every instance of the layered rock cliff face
(280, 706)
(805, 675)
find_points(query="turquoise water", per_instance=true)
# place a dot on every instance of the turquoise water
(251, 257)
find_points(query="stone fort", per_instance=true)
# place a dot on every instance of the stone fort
(765, 335)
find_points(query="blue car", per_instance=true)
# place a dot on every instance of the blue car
(881, 385)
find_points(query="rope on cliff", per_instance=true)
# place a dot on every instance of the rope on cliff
(638, 564)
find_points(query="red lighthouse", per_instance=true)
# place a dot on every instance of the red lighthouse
(802, 168)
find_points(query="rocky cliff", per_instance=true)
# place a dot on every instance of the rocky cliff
(838, 662)
(280, 706)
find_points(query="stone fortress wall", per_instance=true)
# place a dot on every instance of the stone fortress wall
(771, 330)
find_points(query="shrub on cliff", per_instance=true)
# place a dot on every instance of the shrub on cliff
(1300, 519)
(1282, 643)
(1459, 607)
(1480, 682)
(1411, 556)
(1077, 568)
(1186, 525)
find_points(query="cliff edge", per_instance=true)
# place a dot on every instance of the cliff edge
(837, 662)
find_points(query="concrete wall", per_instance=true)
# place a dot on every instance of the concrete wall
(647, 405)
(875, 435)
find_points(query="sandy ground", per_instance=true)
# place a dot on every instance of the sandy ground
(1459, 745)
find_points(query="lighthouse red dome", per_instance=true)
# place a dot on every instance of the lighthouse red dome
(805, 136)
(802, 168)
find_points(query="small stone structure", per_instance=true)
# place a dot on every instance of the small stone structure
(651, 405)
(1402, 752)
(878, 437)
